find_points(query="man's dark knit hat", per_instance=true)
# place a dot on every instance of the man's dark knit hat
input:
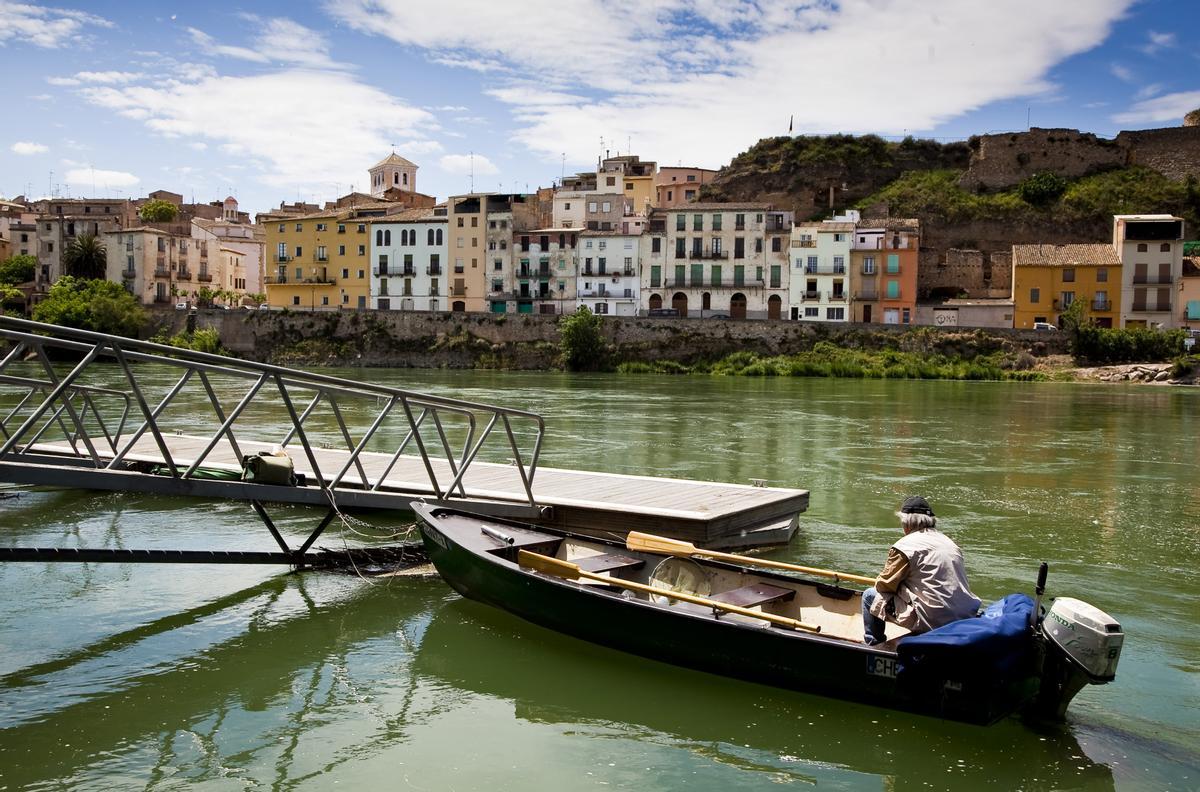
(916, 505)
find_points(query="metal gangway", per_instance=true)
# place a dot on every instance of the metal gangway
(95, 411)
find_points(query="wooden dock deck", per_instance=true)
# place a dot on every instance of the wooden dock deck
(605, 504)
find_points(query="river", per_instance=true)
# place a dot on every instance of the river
(159, 677)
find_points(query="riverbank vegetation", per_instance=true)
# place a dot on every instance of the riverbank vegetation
(205, 339)
(828, 360)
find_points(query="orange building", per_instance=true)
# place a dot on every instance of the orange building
(883, 275)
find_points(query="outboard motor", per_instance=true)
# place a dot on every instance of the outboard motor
(1082, 645)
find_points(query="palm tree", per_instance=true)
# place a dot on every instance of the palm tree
(86, 258)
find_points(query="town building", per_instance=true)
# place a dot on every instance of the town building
(1150, 248)
(542, 278)
(1189, 294)
(408, 254)
(883, 271)
(676, 186)
(474, 222)
(248, 241)
(609, 279)
(393, 172)
(820, 283)
(632, 178)
(966, 312)
(322, 261)
(725, 259)
(1047, 279)
(60, 221)
(158, 266)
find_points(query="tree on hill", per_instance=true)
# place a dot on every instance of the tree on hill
(158, 211)
(86, 257)
(1192, 118)
(17, 269)
(98, 305)
(580, 340)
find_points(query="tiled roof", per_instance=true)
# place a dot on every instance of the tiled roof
(1064, 256)
(394, 159)
(416, 215)
(730, 207)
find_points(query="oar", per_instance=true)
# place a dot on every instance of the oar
(569, 571)
(649, 543)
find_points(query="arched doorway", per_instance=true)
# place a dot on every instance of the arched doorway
(458, 306)
(655, 302)
(706, 302)
(774, 307)
(679, 303)
(737, 306)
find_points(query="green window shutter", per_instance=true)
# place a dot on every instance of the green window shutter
(655, 275)
(716, 274)
(775, 276)
(697, 274)
(679, 274)
(893, 262)
(739, 275)
(893, 289)
(1193, 309)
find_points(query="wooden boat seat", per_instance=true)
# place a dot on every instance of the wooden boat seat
(754, 594)
(608, 562)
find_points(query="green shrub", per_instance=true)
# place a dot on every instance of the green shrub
(1129, 345)
(98, 305)
(580, 340)
(1042, 189)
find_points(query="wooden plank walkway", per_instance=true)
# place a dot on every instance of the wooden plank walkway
(709, 513)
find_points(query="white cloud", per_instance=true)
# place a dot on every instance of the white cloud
(269, 118)
(45, 27)
(107, 77)
(665, 68)
(26, 148)
(1146, 91)
(464, 164)
(278, 40)
(1122, 73)
(1156, 42)
(63, 81)
(1170, 107)
(101, 178)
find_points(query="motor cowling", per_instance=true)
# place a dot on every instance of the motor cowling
(1090, 639)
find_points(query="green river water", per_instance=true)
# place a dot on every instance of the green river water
(240, 677)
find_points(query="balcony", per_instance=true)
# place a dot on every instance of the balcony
(204, 277)
(830, 270)
(128, 274)
(162, 298)
(395, 272)
(836, 296)
(282, 259)
(1152, 280)
(458, 291)
(804, 243)
(810, 295)
(708, 254)
(866, 295)
(1151, 308)
(183, 274)
(1101, 305)
(162, 272)
(278, 280)
(868, 270)
(433, 269)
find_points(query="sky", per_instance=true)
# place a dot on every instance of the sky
(284, 101)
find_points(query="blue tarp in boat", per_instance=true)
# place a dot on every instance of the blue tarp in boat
(993, 646)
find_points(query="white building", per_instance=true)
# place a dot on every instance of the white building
(609, 279)
(570, 209)
(1151, 251)
(248, 241)
(820, 282)
(408, 261)
(545, 266)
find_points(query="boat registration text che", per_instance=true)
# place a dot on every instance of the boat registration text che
(881, 666)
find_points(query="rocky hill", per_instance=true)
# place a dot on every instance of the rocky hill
(1043, 185)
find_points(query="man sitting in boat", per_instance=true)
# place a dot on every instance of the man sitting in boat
(923, 584)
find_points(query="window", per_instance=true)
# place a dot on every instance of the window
(474, 222)
(1068, 275)
(591, 207)
(839, 237)
(628, 185)
(282, 228)
(812, 312)
(295, 299)
(1142, 247)
(362, 228)
(439, 239)
(362, 250)
(299, 251)
(1035, 295)
(498, 265)
(610, 181)
(606, 207)
(655, 275)
(739, 275)
(1068, 297)
(567, 206)
(868, 265)
(698, 222)
(321, 226)
(325, 300)
(1101, 275)
(299, 226)
(345, 273)
(680, 248)
(341, 228)
(893, 289)
(893, 263)
(460, 222)
(907, 316)
(758, 247)
(776, 245)
(345, 299)
(1165, 247)
(689, 195)
(680, 222)
(341, 250)
(776, 276)
(739, 247)
(378, 237)
(835, 314)
(656, 244)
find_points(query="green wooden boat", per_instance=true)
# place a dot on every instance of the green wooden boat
(795, 632)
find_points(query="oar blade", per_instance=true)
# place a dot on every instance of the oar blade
(649, 543)
(547, 565)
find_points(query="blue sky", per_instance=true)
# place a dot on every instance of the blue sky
(274, 101)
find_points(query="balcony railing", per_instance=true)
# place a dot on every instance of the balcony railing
(204, 277)
(458, 291)
(1149, 308)
(277, 280)
(282, 259)
(433, 269)
(829, 270)
(127, 274)
(750, 284)
(162, 272)
(1101, 305)
(835, 296)
(804, 243)
(1152, 280)
(866, 295)
(708, 254)
(868, 270)
(396, 272)
(811, 295)
(184, 274)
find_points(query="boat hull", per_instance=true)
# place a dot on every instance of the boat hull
(781, 658)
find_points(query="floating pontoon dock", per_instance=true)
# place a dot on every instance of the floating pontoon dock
(100, 427)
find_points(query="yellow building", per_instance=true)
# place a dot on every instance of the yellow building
(1046, 279)
(321, 261)
(632, 178)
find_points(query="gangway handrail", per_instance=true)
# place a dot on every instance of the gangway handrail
(416, 408)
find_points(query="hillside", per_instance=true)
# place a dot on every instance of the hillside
(990, 192)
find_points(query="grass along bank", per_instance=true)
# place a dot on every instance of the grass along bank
(829, 360)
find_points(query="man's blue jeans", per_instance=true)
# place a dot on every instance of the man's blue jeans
(873, 626)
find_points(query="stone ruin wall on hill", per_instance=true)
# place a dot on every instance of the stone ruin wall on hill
(1002, 161)
(948, 273)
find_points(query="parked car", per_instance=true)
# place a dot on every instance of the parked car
(1043, 326)
(663, 312)
(719, 316)
(181, 306)
(264, 307)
